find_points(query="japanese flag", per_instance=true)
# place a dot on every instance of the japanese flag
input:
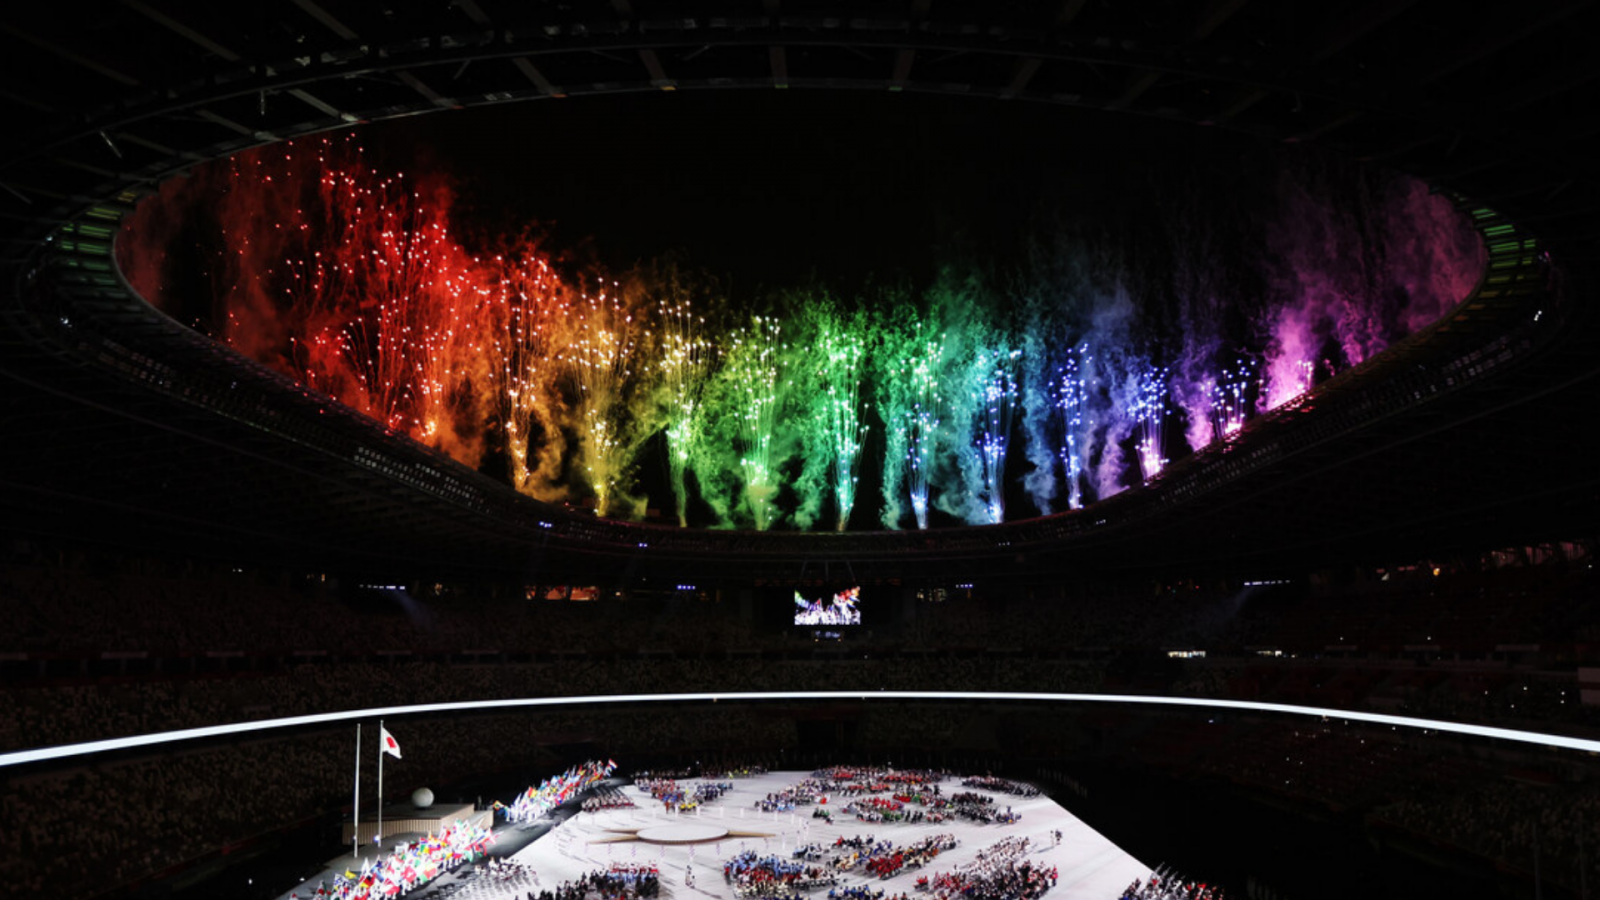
(387, 743)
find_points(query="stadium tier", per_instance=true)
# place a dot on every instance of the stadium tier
(1288, 590)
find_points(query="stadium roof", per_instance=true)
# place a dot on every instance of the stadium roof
(122, 426)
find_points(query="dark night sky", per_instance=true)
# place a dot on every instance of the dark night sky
(770, 187)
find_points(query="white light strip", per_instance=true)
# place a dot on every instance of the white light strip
(67, 751)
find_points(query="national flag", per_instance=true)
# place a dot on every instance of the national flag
(387, 743)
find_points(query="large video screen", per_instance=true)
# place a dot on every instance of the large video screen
(841, 608)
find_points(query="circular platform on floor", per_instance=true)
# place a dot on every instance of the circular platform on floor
(681, 833)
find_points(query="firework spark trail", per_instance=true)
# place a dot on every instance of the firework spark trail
(395, 304)
(1040, 426)
(890, 383)
(599, 362)
(686, 360)
(834, 427)
(1054, 412)
(449, 356)
(528, 306)
(1071, 396)
(1289, 377)
(922, 422)
(993, 396)
(911, 404)
(1149, 414)
(845, 426)
(1231, 397)
(754, 374)
(358, 291)
(1000, 397)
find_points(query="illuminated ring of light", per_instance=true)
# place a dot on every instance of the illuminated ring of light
(89, 748)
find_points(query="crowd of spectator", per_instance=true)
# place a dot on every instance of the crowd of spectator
(91, 827)
(1529, 823)
(98, 649)
(66, 713)
(98, 655)
(1526, 812)
(63, 602)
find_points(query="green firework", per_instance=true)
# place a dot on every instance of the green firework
(834, 428)
(754, 382)
(912, 404)
(686, 359)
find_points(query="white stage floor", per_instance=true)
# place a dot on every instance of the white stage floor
(1090, 866)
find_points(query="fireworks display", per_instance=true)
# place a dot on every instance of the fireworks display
(1070, 396)
(754, 383)
(912, 404)
(599, 356)
(834, 420)
(526, 309)
(1232, 394)
(1149, 412)
(627, 391)
(994, 395)
(686, 360)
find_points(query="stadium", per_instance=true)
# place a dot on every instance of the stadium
(1214, 493)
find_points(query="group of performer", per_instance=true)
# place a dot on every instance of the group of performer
(879, 780)
(805, 793)
(1000, 872)
(606, 797)
(673, 796)
(620, 882)
(849, 856)
(755, 876)
(1001, 786)
(501, 876)
(1158, 888)
(742, 770)
(856, 892)
(914, 856)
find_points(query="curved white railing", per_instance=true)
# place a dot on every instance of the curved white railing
(91, 748)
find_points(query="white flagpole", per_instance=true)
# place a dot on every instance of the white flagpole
(381, 750)
(355, 834)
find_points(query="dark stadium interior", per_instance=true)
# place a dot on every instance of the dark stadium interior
(192, 538)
